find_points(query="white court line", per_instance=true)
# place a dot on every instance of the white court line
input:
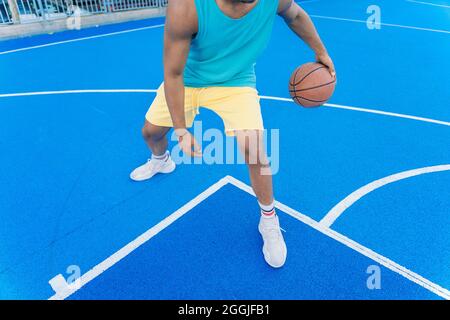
(64, 291)
(346, 203)
(382, 24)
(45, 93)
(162, 25)
(395, 267)
(81, 39)
(385, 113)
(330, 105)
(429, 3)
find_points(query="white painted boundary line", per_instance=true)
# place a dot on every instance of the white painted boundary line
(395, 267)
(162, 25)
(64, 290)
(81, 39)
(244, 187)
(45, 93)
(429, 3)
(382, 24)
(330, 105)
(340, 208)
(384, 113)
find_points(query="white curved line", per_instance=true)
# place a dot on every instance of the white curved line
(330, 105)
(322, 225)
(63, 290)
(339, 209)
(81, 39)
(388, 263)
(384, 113)
(429, 3)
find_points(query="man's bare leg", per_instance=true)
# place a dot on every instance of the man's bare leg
(252, 147)
(156, 139)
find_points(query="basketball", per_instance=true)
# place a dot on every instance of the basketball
(311, 85)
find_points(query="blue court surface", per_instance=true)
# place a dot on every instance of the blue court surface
(363, 185)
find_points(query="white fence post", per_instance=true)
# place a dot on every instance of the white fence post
(15, 16)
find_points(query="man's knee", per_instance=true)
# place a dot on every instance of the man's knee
(152, 132)
(252, 146)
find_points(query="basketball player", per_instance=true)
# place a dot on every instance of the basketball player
(210, 49)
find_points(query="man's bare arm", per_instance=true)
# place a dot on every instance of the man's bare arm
(299, 21)
(181, 25)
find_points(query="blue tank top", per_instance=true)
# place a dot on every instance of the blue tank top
(225, 50)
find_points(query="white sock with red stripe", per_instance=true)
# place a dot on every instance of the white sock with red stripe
(163, 158)
(267, 211)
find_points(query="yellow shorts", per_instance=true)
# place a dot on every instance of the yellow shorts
(238, 107)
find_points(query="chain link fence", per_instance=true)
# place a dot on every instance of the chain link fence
(39, 10)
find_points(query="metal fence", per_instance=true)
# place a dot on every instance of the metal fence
(38, 10)
(123, 5)
(5, 14)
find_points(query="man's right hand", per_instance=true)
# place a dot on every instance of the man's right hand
(188, 143)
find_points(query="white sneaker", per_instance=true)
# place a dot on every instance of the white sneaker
(274, 248)
(151, 168)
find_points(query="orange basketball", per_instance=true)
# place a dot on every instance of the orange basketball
(311, 85)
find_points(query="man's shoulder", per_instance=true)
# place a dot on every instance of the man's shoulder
(284, 5)
(187, 6)
(183, 13)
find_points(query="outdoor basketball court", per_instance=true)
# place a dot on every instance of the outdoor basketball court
(363, 183)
